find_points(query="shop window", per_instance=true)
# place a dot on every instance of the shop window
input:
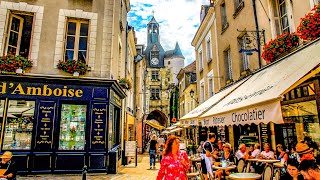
(76, 43)
(20, 25)
(292, 94)
(72, 127)
(19, 125)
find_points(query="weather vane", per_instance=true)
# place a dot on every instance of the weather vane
(152, 12)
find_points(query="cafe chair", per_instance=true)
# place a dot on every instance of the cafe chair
(195, 175)
(267, 172)
(241, 165)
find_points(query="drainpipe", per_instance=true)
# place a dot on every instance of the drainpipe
(257, 31)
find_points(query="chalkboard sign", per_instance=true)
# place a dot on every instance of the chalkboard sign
(98, 126)
(45, 118)
(130, 148)
(265, 134)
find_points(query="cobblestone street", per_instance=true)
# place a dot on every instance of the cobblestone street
(141, 172)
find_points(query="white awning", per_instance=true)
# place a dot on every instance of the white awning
(258, 99)
(175, 130)
(191, 118)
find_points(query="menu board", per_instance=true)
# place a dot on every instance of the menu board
(72, 127)
(130, 148)
(265, 135)
(45, 119)
(98, 126)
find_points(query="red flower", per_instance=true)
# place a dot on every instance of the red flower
(309, 26)
(71, 66)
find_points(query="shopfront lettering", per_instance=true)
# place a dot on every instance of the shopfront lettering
(45, 90)
(252, 115)
(218, 120)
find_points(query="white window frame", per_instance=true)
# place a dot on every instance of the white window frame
(283, 16)
(224, 19)
(200, 55)
(12, 15)
(229, 63)
(154, 73)
(209, 51)
(245, 57)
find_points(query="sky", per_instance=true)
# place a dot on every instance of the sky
(178, 21)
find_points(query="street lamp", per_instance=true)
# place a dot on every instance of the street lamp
(192, 95)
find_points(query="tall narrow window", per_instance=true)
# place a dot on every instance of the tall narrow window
(244, 58)
(155, 75)
(209, 56)
(20, 25)
(200, 61)
(280, 16)
(228, 64)
(76, 44)
(224, 21)
(155, 93)
(210, 86)
(202, 93)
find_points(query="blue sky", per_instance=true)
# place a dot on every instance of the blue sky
(178, 20)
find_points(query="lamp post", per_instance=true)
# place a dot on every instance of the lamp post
(192, 95)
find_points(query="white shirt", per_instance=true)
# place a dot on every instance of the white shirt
(268, 155)
(161, 141)
(256, 153)
(240, 154)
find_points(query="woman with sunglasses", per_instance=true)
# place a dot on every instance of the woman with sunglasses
(227, 156)
(175, 163)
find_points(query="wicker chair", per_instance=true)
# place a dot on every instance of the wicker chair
(194, 175)
(241, 165)
(267, 172)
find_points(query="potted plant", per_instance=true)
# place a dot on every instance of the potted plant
(309, 27)
(280, 45)
(73, 66)
(125, 83)
(12, 64)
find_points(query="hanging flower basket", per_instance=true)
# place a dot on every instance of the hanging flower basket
(125, 83)
(11, 64)
(282, 44)
(309, 27)
(72, 66)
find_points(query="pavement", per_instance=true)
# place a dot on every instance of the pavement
(141, 172)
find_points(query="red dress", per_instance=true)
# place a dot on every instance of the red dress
(172, 169)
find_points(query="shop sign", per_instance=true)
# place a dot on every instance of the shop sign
(59, 91)
(98, 125)
(115, 98)
(130, 149)
(270, 112)
(45, 119)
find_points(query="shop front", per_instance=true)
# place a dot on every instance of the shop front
(59, 125)
(258, 107)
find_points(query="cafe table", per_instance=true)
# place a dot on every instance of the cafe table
(246, 176)
(249, 163)
(268, 161)
(224, 169)
(193, 161)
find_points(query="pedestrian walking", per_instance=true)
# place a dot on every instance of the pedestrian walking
(209, 154)
(175, 163)
(153, 148)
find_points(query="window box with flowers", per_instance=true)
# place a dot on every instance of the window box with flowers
(125, 83)
(12, 64)
(309, 27)
(283, 44)
(73, 66)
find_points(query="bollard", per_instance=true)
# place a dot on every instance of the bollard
(84, 172)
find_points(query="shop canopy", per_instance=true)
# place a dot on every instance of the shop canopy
(258, 99)
(191, 118)
(154, 125)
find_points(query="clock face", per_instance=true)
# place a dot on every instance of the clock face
(154, 61)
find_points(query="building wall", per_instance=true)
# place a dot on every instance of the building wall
(176, 63)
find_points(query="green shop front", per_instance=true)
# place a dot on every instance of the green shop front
(60, 125)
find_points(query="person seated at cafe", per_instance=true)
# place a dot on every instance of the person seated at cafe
(256, 152)
(310, 170)
(292, 172)
(242, 152)
(200, 148)
(304, 151)
(267, 153)
(225, 156)
(220, 148)
(7, 166)
(283, 156)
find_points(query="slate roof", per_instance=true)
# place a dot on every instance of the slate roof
(176, 52)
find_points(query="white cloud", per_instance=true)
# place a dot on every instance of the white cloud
(178, 20)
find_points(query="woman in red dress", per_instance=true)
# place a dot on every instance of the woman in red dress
(175, 163)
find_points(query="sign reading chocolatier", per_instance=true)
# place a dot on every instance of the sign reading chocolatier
(45, 118)
(98, 126)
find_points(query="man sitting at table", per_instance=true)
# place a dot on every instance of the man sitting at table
(267, 153)
(225, 156)
(242, 152)
(7, 166)
(209, 154)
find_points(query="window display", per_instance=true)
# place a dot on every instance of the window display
(72, 127)
(19, 125)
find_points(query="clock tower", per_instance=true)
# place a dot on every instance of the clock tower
(154, 52)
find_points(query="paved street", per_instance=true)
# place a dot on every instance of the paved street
(141, 172)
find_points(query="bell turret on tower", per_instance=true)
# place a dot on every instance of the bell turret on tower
(153, 31)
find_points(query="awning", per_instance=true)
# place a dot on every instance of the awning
(258, 99)
(154, 125)
(175, 130)
(191, 118)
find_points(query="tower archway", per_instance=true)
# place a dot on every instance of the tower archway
(159, 116)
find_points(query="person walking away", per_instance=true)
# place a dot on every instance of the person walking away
(152, 151)
(7, 166)
(175, 163)
(283, 156)
(292, 171)
(208, 155)
(310, 170)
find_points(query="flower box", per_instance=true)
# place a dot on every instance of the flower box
(72, 66)
(309, 27)
(12, 64)
(282, 44)
(125, 83)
